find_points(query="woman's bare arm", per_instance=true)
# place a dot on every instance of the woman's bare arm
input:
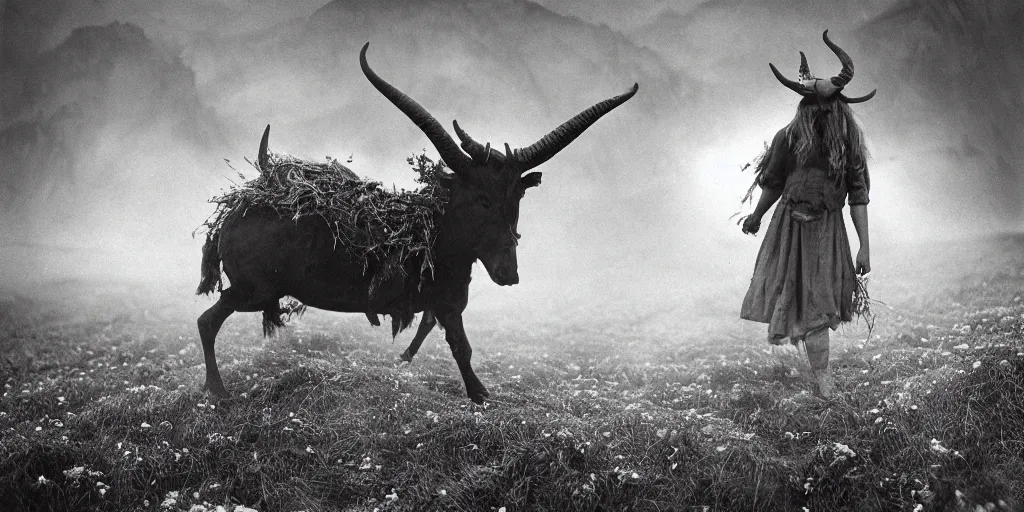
(768, 197)
(859, 213)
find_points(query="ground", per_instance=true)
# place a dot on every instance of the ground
(591, 409)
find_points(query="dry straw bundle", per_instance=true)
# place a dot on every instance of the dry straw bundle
(385, 228)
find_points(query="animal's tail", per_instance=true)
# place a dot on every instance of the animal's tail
(211, 265)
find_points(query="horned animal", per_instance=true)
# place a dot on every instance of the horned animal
(267, 256)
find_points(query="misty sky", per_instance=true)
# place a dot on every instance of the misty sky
(118, 133)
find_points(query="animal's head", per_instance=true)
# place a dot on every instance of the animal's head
(488, 184)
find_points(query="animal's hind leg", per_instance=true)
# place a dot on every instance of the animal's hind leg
(209, 324)
(426, 324)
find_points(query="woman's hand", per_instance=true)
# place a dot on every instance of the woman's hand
(751, 224)
(863, 265)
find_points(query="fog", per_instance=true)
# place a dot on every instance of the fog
(117, 118)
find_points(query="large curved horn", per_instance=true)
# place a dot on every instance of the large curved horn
(805, 70)
(480, 153)
(547, 147)
(797, 87)
(860, 99)
(846, 74)
(263, 158)
(449, 151)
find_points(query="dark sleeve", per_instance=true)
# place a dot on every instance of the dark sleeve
(858, 184)
(773, 174)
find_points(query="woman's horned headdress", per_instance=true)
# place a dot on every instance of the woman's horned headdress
(810, 85)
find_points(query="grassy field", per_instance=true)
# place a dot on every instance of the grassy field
(593, 409)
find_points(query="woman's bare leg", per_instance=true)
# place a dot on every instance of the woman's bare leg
(816, 344)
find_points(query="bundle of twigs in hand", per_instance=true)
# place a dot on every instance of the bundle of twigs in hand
(758, 163)
(383, 227)
(862, 303)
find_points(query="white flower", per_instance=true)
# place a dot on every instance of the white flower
(843, 449)
(145, 425)
(170, 500)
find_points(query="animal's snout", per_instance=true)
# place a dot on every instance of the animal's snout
(506, 276)
(502, 267)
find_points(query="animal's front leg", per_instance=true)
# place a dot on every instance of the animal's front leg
(457, 341)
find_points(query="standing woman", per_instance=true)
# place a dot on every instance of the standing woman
(805, 279)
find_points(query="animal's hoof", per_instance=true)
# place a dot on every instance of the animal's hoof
(216, 390)
(479, 395)
(406, 356)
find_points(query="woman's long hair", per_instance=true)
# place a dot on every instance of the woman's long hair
(828, 130)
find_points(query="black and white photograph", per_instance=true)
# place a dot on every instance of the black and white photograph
(511, 255)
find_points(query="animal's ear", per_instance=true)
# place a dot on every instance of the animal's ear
(531, 180)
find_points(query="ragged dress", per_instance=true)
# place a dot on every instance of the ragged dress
(804, 278)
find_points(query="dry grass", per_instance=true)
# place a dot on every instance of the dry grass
(383, 227)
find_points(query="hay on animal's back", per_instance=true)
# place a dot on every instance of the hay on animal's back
(384, 228)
